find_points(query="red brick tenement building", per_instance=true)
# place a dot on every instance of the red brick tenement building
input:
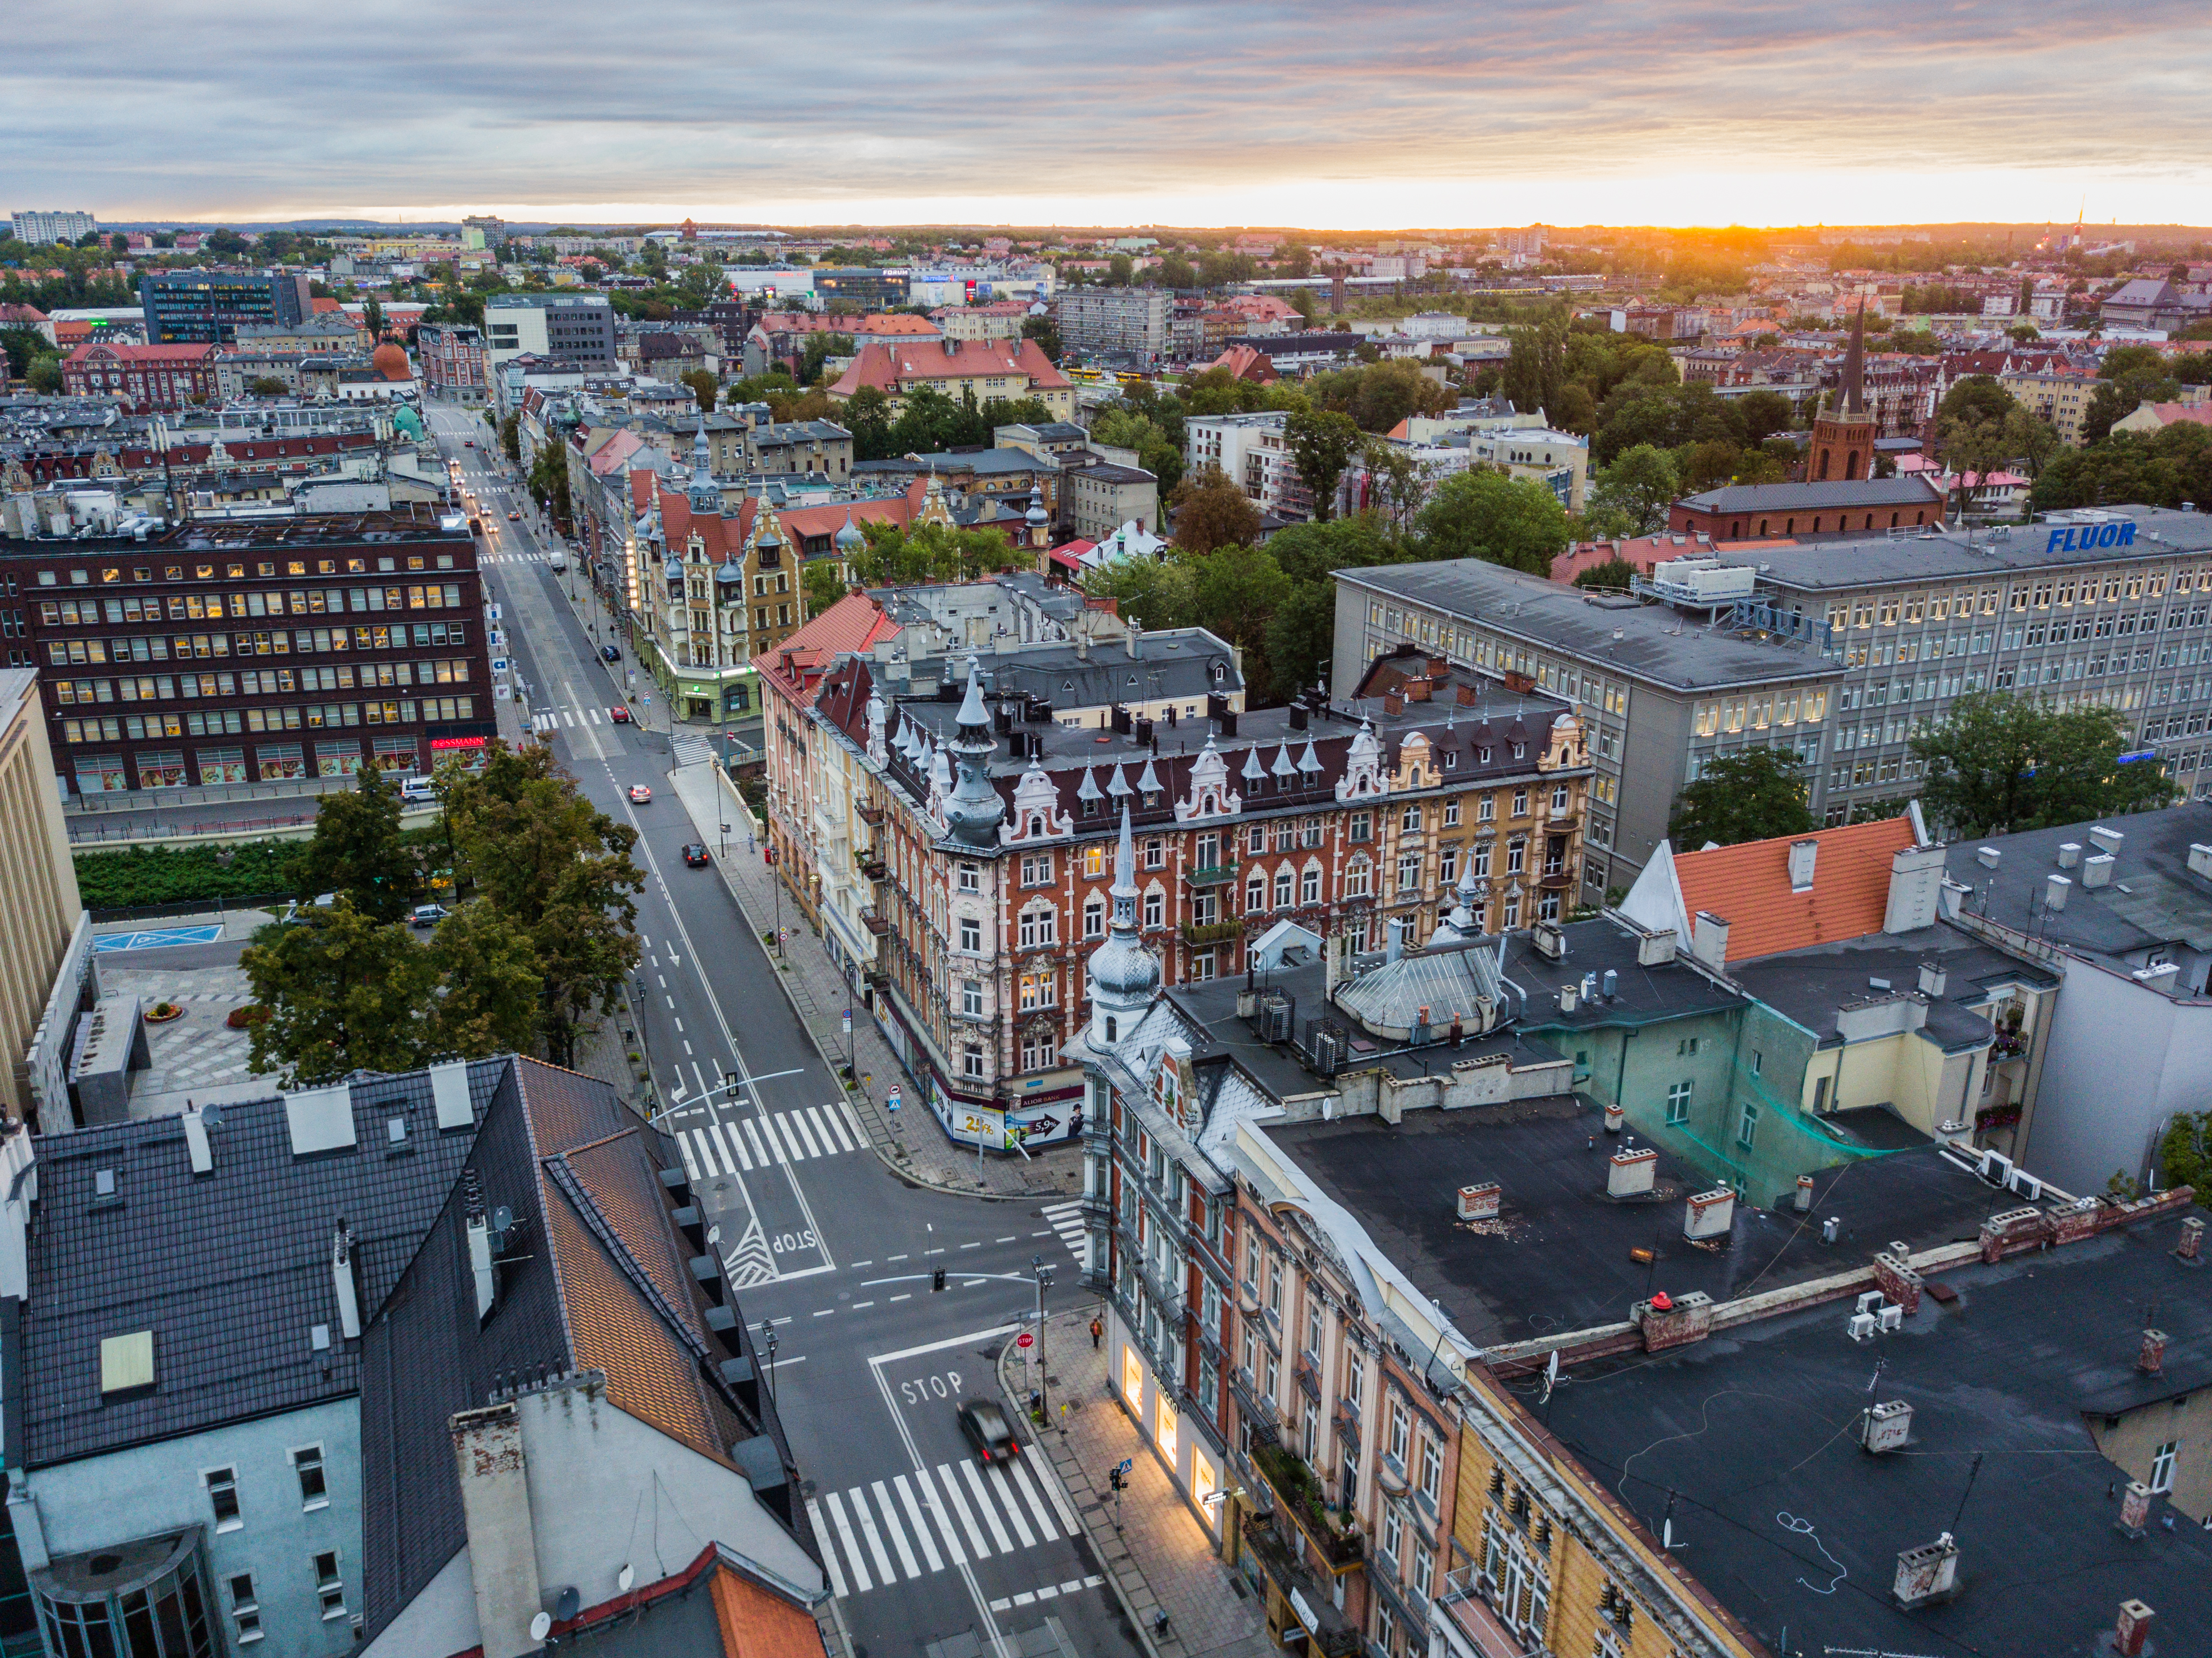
(148, 378)
(983, 828)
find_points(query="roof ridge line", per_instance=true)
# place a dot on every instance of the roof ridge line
(572, 1187)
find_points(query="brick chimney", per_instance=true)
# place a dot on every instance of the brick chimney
(2152, 1358)
(2192, 1247)
(502, 1541)
(2133, 1629)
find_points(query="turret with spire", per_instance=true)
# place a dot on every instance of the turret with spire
(974, 810)
(1124, 974)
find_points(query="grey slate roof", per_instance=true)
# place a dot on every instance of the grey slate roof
(1802, 497)
(230, 1270)
(1933, 560)
(1739, 1434)
(1657, 645)
(2153, 897)
(598, 1281)
(1558, 1259)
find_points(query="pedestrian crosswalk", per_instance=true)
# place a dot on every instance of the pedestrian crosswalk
(888, 1532)
(762, 1139)
(547, 720)
(511, 558)
(1066, 1219)
(692, 750)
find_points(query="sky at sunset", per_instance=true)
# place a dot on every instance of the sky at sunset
(1288, 112)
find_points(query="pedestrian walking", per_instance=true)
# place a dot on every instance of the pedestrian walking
(1097, 1330)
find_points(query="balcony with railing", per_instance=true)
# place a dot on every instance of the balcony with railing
(1333, 1535)
(1471, 1625)
(1332, 1633)
(1198, 933)
(1210, 875)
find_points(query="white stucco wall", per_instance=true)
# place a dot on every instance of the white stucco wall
(2122, 1059)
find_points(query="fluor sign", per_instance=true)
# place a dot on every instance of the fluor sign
(2080, 538)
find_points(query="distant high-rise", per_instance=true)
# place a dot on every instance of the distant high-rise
(1529, 243)
(40, 228)
(206, 308)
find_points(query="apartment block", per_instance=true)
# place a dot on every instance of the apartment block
(578, 328)
(1133, 322)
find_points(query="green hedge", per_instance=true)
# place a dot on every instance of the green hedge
(176, 874)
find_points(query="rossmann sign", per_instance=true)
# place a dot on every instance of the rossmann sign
(2082, 538)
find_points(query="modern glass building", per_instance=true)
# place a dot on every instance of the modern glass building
(207, 307)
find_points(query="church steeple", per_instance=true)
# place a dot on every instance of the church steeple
(1843, 438)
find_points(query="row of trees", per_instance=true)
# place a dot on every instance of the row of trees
(1277, 603)
(542, 938)
(2001, 763)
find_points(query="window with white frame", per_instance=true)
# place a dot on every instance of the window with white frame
(1401, 1428)
(971, 1061)
(1451, 813)
(1094, 919)
(1154, 909)
(972, 998)
(307, 1465)
(1310, 885)
(2161, 1465)
(1394, 1534)
(1356, 878)
(1039, 927)
(245, 1608)
(1432, 1472)
(329, 1588)
(1284, 879)
(971, 935)
(971, 878)
(1678, 1102)
(222, 1497)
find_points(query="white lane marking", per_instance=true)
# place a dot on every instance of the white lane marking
(690, 1163)
(1036, 1504)
(852, 1549)
(875, 1543)
(960, 1507)
(823, 1312)
(989, 1510)
(781, 1125)
(1008, 1239)
(921, 1532)
(971, 1246)
(759, 1152)
(1004, 1483)
(737, 1160)
(798, 1119)
(892, 1526)
(836, 1122)
(937, 1506)
(828, 1553)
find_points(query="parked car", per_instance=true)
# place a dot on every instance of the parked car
(619, 714)
(694, 854)
(986, 1429)
(639, 794)
(417, 788)
(610, 653)
(427, 915)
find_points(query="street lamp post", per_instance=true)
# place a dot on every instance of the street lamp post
(1043, 1278)
(767, 1378)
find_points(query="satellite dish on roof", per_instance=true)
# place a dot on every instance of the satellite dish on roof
(567, 1604)
(625, 1577)
(541, 1625)
(502, 1218)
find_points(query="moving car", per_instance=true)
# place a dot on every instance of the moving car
(987, 1429)
(515, 517)
(619, 714)
(468, 443)
(694, 854)
(610, 653)
(427, 915)
(417, 788)
(639, 794)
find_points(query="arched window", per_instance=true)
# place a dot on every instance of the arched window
(1824, 466)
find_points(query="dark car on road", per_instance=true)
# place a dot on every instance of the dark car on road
(986, 1429)
(694, 854)
(610, 653)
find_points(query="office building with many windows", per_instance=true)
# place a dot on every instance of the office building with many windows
(208, 308)
(1839, 651)
(37, 229)
(219, 653)
(578, 328)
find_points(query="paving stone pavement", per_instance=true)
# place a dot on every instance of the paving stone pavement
(1162, 1558)
(909, 1139)
(198, 1050)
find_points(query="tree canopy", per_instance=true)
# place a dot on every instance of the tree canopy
(1754, 794)
(1482, 514)
(2002, 762)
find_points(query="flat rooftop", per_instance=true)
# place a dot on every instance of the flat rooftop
(1617, 635)
(1558, 1258)
(1949, 556)
(413, 522)
(1744, 1438)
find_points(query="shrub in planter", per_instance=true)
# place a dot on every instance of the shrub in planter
(245, 1018)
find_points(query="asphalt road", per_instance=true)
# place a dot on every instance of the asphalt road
(832, 1253)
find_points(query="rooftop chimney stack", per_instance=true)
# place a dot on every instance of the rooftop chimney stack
(343, 1283)
(2133, 1630)
(1630, 1172)
(1802, 856)
(2070, 854)
(1656, 948)
(2200, 858)
(2150, 1358)
(1709, 936)
(1925, 1575)
(503, 1542)
(1480, 1201)
(2135, 1507)
(2192, 1247)
(2108, 840)
(2054, 889)
(1933, 979)
(2097, 870)
(1916, 885)
(1804, 1195)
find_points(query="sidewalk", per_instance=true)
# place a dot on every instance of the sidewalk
(1162, 1558)
(909, 1140)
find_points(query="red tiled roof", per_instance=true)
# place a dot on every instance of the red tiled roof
(919, 327)
(854, 623)
(1248, 362)
(888, 367)
(102, 352)
(2168, 413)
(323, 304)
(1748, 886)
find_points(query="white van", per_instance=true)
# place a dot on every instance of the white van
(557, 560)
(417, 788)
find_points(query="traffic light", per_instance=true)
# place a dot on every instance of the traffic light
(1114, 1477)
(937, 1279)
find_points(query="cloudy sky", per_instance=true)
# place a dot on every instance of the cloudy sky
(1414, 112)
